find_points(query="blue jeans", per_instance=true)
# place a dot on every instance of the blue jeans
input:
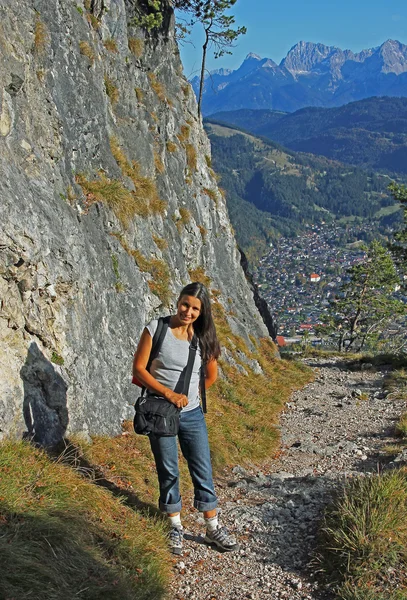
(193, 440)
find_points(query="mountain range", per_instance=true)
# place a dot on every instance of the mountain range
(311, 74)
(370, 133)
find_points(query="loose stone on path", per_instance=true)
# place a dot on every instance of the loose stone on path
(332, 429)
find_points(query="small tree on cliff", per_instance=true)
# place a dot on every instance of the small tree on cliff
(218, 29)
(365, 304)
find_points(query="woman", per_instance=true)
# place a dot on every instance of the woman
(166, 379)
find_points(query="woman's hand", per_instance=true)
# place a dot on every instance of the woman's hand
(179, 400)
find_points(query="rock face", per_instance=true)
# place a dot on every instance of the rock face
(310, 75)
(108, 207)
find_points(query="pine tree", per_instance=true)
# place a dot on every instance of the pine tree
(218, 29)
(365, 303)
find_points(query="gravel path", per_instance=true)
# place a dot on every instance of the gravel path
(332, 429)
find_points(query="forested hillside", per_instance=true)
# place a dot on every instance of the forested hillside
(272, 191)
(371, 133)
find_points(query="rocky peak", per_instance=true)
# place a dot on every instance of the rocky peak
(304, 56)
(393, 55)
(253, 56)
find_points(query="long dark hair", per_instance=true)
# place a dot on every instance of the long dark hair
(204, 326)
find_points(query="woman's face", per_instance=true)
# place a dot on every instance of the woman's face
(188, 309)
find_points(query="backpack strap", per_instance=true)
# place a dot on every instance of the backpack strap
(158, 338)
(159, 335)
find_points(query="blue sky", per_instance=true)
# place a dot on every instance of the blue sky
(274, 26)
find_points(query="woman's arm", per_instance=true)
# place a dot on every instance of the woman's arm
(211, 373)
(140, 362)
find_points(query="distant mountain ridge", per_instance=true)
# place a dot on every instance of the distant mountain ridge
(370, 133)
(310, 75)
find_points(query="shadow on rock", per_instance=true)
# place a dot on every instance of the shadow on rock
(45, 403)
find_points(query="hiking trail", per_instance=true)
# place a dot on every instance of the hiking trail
(332, 429)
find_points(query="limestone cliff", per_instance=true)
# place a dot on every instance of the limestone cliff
(108, 206)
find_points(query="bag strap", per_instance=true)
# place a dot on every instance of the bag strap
(191, 359)
(202, 386)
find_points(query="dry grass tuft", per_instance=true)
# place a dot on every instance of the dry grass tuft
(191, 157)
(160, 242)
(212, 194)
(203, 231)
(185, 217)
(86, 50)
(111, 45)
(199, 274)
(171, 147)
(146, 193)
(160, 273)
(139, 94)
(111, 90)
(94, 21)
(159, 165)
(158, 87)
(112, 193)
(136, 46)
(184, 134)
(40, 36)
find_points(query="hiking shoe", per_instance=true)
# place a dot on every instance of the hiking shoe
(175, 540)
(221, 538)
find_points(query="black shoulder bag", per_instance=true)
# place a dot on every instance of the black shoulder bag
(156, 415)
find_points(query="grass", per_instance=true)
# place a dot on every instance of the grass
(111, 90)
(191, 157)
(111, 192)
(158, 87)
(185, 217)
(57, 359)
(115, 264)
(199, 274)
(244, 409)
(136, 46)
(94, 21)
(160, 242)
(171, 147)
(40, 36)
(159, 165)
(139, 94)
(111, 45)
(61, 536)
(363, 542)
(212, 194)
(158, 269)
(86, 50)
(395, 383)
(146, 193)
(160, 273)
(184, 134)
(203, 232)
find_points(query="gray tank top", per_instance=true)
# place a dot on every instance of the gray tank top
(169, 366)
